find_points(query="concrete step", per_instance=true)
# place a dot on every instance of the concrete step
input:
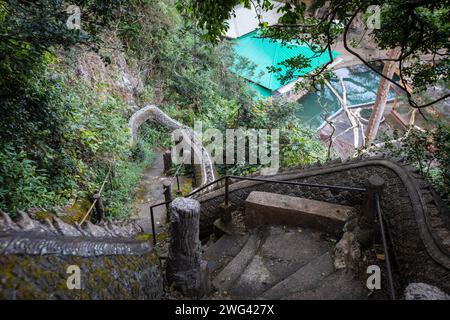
(305, 278)
(339, 285)
(284, 251)
(265, 208)
(233, 270)
(221, 252)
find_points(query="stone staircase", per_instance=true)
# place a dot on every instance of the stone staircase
(278, 260)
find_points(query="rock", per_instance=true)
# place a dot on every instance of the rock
(265, 208)
(423, 291)
(351, 223)
(363, 236)
(346, 252)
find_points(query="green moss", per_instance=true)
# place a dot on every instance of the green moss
(77, 211)
(143, 237)
(42, 215)
(6, 271)
(162, 236)
(154, 258)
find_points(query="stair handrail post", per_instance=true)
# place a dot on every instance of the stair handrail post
(99, 207)
(227, 191)
(366, 223)
(185, 269)
(178, 184)
(167, 197)
(152, 217)
(167, 161)
(375, 185)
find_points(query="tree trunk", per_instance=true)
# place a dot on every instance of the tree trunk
(351, 117)
(381, 99)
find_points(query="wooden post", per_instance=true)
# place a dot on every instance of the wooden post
(167, 197)
(167, 160)
(185, 269)
(374, 185)
(366, 222)
(99, 208)
(178, 185)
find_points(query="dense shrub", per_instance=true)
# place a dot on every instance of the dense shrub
(429, 152)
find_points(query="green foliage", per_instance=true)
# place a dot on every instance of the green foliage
(21, 183)
(212, 15)
(154, 136)
(300, 146)
(59, 135)
(190, 76)
(31, 29)
(420, 28)
(429, 151)
(64, 150)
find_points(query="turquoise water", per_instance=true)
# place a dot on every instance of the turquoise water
(361, 84)
(264, 53)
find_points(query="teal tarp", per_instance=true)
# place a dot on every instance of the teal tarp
(263, 53)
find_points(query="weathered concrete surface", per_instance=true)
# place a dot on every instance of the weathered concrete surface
(221, 252)
(339, 285)
(226, 278)
(264, 208)
(423, 291)
(303, 279)
(347, 252)
(283, 252)
(287, 261)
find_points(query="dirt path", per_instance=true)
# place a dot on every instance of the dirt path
(150, 191)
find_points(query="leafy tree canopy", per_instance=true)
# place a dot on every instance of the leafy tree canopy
(420, 28)
(29, 29)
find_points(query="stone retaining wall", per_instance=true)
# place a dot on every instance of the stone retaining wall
(102, 277)
(114, 263)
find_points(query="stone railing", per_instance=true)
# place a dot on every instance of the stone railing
(154, 114)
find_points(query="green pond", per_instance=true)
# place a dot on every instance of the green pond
(361, 84)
